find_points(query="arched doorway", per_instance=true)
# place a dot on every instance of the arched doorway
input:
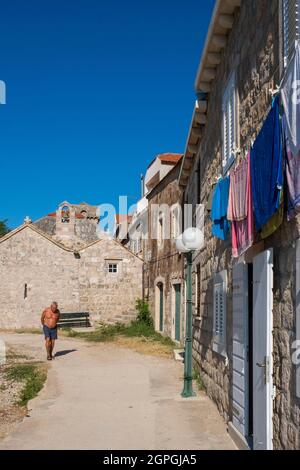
(159, 314)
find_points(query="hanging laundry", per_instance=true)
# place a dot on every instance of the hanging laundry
(240, 210)
(221, 225)
(290, 93)
(276, 220)
(238, 203)
(266, 168)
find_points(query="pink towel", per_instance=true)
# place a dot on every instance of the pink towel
(238, 196)
(240, 209)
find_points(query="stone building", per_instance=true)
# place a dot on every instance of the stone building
(62, 263)
(246, 363)
(163, 281)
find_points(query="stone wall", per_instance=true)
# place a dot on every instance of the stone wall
(253, 51)
(111, 297)
(76, 283)
(46, 224)
(84, 229)
(165, 264)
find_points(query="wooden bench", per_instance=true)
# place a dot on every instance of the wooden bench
(79, 319)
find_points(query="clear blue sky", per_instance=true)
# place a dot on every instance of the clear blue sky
(95, 89)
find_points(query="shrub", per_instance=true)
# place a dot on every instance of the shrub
(144, 315)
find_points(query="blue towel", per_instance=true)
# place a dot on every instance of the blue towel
(266, 168)
(218, 214)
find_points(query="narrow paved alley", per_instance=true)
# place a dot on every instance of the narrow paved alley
(101, 396)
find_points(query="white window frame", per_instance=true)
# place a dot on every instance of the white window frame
(290, 27)
(229, 123)
(113, 268)
(219, 313)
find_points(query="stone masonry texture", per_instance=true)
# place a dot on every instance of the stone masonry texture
(165, 264)
(78, 282)
(254, 52)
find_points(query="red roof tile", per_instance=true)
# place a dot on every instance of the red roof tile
(78, 216)
(122, 218)
(170, 157)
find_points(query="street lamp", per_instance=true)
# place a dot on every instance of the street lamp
(192, 239)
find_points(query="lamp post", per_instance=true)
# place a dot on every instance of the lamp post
(192, 239)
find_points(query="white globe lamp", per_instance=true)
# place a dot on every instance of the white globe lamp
(181, 246)
(193, 238)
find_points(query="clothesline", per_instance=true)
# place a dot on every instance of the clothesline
(253, 192)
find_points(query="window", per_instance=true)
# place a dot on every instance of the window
(112, 268)
(230, 118)
(219, 310)
(291, 17)
(175, 221)
(160, 229)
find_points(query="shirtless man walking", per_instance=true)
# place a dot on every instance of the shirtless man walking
(49, 320)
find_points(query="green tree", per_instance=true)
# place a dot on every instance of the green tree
(143, 315)
(3, 228)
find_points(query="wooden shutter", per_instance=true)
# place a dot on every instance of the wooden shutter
(219, 311)
(240, 360)
(290, 27)
(297, 315)
(225, 134)
(263, 350)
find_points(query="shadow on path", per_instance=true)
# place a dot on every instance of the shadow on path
(64, 352)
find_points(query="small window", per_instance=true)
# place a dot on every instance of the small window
(25, 291)
(290, 23)
(160, 234)
(112, 268)
(219, 311)
(175, 221)
(230, 124)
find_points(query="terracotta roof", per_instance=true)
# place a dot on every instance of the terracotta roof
(170, 157)
(78, 216)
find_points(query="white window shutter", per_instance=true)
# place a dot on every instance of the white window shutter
(225, 135)
(219, 312)
(229, 110)
(232, 119)
(291, 16)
